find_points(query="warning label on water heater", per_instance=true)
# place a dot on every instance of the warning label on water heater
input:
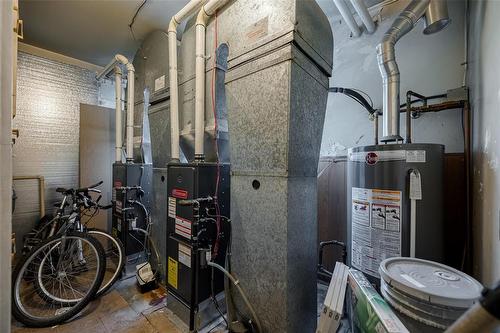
(375, 228)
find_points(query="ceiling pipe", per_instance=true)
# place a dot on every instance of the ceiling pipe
(388, 67)
(185, 12)
(204, 15)
(364, 15)
(117, 60)
(346, 14)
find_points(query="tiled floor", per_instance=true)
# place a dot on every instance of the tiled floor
(125, 310)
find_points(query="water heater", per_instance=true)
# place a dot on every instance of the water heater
(394, 204)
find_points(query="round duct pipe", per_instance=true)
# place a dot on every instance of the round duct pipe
(436, 16)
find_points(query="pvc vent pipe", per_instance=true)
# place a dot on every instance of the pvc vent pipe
(130, 112)
(120, 59)
(118, 115)
(186, 11)
(388, 67)
(204, 14)
(348, 17)
(364, 15)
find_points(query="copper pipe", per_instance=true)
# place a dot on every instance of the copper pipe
(437, 107)
(41, 190)
(408, 117)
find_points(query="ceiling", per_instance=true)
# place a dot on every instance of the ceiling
(95, 30)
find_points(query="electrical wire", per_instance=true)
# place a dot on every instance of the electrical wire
(365, 94)
(216, 134)
(355, 95)
(130, 25)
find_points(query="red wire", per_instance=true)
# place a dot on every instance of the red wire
(217, 181)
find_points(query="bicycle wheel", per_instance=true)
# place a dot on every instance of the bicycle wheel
(115, 258)
(57, 279)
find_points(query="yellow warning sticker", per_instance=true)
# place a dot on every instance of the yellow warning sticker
(172, 272)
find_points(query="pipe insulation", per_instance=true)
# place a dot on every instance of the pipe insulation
(364, 15)
(186, 11)
(204, 15)
(389, 70)
(118, 115)
(348, 17)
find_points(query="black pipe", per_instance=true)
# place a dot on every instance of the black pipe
(321, 269)
(354, 95)
(422, 98)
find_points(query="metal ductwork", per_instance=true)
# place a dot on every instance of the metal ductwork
(436, 16)
(436, 13)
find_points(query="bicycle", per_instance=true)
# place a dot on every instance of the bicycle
(64, 266)
(113, 247)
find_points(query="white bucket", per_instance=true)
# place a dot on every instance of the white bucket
(427, 296)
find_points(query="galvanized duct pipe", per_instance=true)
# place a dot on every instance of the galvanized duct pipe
(201, 24)
(120, 59)
(438, 19)
(364, 15)
(347, 16)
(173, 73)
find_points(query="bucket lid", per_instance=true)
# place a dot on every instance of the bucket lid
(430, 281)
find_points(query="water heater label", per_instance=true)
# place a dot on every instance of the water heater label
(373, 157)
(375, 228)
(415, 156)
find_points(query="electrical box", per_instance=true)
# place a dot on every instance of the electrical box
(192, 234)
(132, 184)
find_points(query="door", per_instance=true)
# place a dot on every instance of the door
(97, 144)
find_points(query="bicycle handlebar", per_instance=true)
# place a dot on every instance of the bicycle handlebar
(90, 188)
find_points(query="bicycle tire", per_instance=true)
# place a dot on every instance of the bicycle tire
(18, 310)
(106, 285)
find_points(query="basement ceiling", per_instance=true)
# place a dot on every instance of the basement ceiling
(94, 31)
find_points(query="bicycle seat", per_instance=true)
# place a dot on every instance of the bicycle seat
(61, 190)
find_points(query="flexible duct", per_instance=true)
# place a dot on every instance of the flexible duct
(403, 24)
(173, 73)
(204, 14)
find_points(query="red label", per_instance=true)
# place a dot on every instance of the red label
(118, 183)
(371, 158)
(179, 194)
